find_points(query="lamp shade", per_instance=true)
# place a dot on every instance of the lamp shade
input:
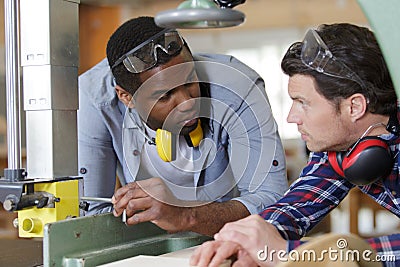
(199, 14)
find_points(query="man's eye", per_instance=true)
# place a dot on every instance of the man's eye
(299, 101)
(165, 96)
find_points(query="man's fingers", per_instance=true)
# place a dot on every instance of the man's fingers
(225, 251)
(138, 204)
(121, 202)
(143, 216)
(213, 253)
(244, 260)
(195, 257)
(122, 191)
(237, 237)
(204, 254)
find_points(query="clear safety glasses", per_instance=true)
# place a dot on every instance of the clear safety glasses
(144, 56)
(316, 55)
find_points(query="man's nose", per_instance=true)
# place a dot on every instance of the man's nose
(184, 101)
(292, 117)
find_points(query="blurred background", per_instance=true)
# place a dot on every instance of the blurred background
(270, 27)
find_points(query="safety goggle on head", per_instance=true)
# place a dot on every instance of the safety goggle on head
(316, 55)
(144, 56)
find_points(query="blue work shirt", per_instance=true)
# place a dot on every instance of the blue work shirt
(241, 158)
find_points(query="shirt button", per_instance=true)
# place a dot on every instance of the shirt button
(394, 193)
(136, 152)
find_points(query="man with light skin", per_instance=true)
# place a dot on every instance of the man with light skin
(345, 106)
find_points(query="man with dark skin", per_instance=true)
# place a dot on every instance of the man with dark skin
(151, 84)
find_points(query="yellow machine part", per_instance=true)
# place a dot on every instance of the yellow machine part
(31, 221)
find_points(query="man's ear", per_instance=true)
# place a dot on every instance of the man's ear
(124, 96)
(358, 106)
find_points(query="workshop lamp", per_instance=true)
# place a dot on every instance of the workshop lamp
(200, 14)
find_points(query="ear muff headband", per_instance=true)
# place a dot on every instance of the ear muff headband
(364, 144)
(369, 160)
(335, 160)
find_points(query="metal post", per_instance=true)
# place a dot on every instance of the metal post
(11, 15)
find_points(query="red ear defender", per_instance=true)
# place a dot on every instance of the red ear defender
(367, 161)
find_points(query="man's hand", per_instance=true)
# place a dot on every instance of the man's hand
(214, 253)
(244, 238)
(255, 235)
(151, 200)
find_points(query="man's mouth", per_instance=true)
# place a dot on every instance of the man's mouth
(189, 123)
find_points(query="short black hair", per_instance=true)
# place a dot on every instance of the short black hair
(129, 35)
(357, 48)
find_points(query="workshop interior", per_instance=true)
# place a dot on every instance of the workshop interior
(46, 44)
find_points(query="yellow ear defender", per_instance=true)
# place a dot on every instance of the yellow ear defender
(166, 142)
(166, 145)
(195, 136)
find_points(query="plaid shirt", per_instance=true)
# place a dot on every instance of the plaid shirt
(320, 189)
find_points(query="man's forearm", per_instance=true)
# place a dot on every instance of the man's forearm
(209, 219)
